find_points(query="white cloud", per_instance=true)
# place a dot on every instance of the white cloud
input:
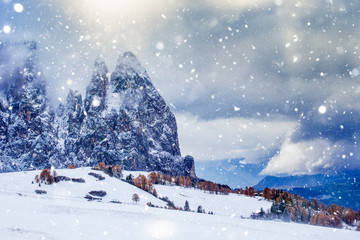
(305, 157)
(220, 139)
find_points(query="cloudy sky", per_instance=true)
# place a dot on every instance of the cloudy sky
(271, 82)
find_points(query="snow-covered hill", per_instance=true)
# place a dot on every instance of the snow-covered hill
(64, 213)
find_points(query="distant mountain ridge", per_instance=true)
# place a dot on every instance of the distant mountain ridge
(122, 120)
(342, 189)
(301, 181)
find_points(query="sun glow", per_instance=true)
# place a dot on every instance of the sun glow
(119, 10)
(116, 23)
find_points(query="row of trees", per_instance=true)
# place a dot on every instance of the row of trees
(248, 191)
(163, 179)
(46, 176)
(147, 184)
(213, 187)
(208, 186)
(298, 209)
(112, 171)
(142, 182)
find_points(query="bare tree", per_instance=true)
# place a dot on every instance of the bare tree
(135, 198)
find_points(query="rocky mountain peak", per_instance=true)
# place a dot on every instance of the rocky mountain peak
(123, 122)
(73, 98)
(128, 66)
(96, 91)
(100, 67)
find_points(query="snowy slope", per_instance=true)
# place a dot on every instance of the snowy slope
(20, 183)
(63, 213)
(233, 205)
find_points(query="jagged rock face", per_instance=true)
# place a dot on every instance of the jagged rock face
(69, 120)
(127, 121)
(96, 91)
(95, 134)
(189, 164)
(29, 134)
(122, 120)
(144, 124)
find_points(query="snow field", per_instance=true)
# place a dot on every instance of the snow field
(64, 213)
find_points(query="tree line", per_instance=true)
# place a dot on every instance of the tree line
(291, 207)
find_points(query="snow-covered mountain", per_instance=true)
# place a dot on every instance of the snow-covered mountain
(122, 120)
(61, 211)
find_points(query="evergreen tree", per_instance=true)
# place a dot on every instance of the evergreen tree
(186, 207)
(129, 179)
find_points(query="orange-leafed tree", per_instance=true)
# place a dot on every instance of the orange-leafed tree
(71, 166)
(141, 181)
(101, 165)
(188, 182)
(168, 179)
(315, 204)
(265, 193)
(154, 178)
(322, 206)
(305, 215)
(149, 187)
(322, 219)
(247, 192)
(46, 177)
(349, 217)
(117, 171)
(357, 215)
(177, 181)
(293, 213)
(216, 189)
(37, 179)
(182, 181)
(334, 209)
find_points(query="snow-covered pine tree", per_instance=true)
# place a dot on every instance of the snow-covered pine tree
(30, 134)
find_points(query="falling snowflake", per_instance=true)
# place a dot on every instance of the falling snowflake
(7, 29)
(18, 7)
(322, 109)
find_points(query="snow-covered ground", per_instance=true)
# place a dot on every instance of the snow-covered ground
(232, 205)
(64, 213)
